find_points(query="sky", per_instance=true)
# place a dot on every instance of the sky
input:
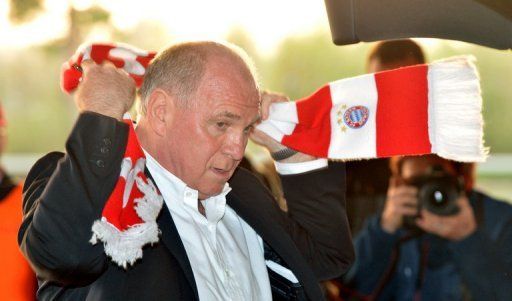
(266, 21)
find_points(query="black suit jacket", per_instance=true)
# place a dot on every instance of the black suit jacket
(65, 193)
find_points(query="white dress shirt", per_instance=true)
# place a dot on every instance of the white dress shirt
(225, 253)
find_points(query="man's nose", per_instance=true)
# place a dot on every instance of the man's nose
(235, 146)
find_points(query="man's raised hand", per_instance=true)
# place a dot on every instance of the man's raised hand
(105, 89)
(259, 137)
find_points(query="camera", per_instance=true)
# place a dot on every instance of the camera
(438, 192)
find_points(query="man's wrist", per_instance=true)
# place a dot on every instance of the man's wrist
(388, 224)
(292, 168)
(283, 154)
(108, 113)
(299, 158)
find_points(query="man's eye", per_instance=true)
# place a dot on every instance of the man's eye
(248, 130)
(221, 125)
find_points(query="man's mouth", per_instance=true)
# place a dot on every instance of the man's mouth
(224, 173)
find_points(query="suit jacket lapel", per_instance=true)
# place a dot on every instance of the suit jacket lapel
(172, 240)
(276, 236)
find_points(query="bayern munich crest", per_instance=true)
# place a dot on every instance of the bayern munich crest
(355, 117)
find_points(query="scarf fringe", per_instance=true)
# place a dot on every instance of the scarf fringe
(125, 247)
(455, 120)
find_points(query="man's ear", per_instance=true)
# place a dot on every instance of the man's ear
(160, 109)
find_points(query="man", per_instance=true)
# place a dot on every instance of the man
(367, 180)
(199, 103)
(17, 281)
(459, 256)
(450, 259)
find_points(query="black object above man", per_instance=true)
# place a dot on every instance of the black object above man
(483, 22)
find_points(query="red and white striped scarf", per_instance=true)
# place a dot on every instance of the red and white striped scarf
(128, 219)
(133, 60)
(422, 109)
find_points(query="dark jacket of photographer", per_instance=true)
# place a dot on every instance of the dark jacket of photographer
(437, 269)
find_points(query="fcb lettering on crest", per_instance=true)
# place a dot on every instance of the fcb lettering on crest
(355, 117)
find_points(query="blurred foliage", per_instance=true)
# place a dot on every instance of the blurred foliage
(81, 22)
(303, 64)
(40, 115)
(24, 10)
(90, 16)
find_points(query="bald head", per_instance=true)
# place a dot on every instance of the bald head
(180, 68)
(200, 101)
(387, 55)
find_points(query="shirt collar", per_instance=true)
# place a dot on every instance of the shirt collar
(179, 192)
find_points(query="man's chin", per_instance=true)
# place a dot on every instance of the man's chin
(210, 192)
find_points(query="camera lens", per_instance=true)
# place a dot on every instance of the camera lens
(439, 197)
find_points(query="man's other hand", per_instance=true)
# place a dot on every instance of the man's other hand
(258, 137)
(105, 89)
(402, 200)
(454, 227)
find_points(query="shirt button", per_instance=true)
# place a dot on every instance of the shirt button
(104, 150)
(408, 272)
(211, 227)
(100, 163)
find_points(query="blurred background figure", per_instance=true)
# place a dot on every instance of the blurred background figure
(436, 239)
(17, 281)
(427, 233)
(367, 180)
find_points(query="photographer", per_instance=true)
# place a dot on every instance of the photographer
(436, 238)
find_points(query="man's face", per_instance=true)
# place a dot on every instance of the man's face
(207, 140)
(375, 65)
(415, 167)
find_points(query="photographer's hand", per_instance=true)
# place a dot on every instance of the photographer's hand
(401, 201)
(454, 227)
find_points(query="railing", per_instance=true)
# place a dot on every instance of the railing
(494, 176)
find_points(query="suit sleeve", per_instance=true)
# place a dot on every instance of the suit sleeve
(64, 194)
(319, 224)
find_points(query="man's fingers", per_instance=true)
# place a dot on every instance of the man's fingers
(261, 138)
(86, 64)
(463, 203)
(403, 194)
(105, 89)
(434, 228)
(106, 68)
(111, 66)
(410, 203)
(393, 181)
(404, 206)
(423, 225)
(430, 222)
(408, 190)
(268, 98)
(409, 211)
